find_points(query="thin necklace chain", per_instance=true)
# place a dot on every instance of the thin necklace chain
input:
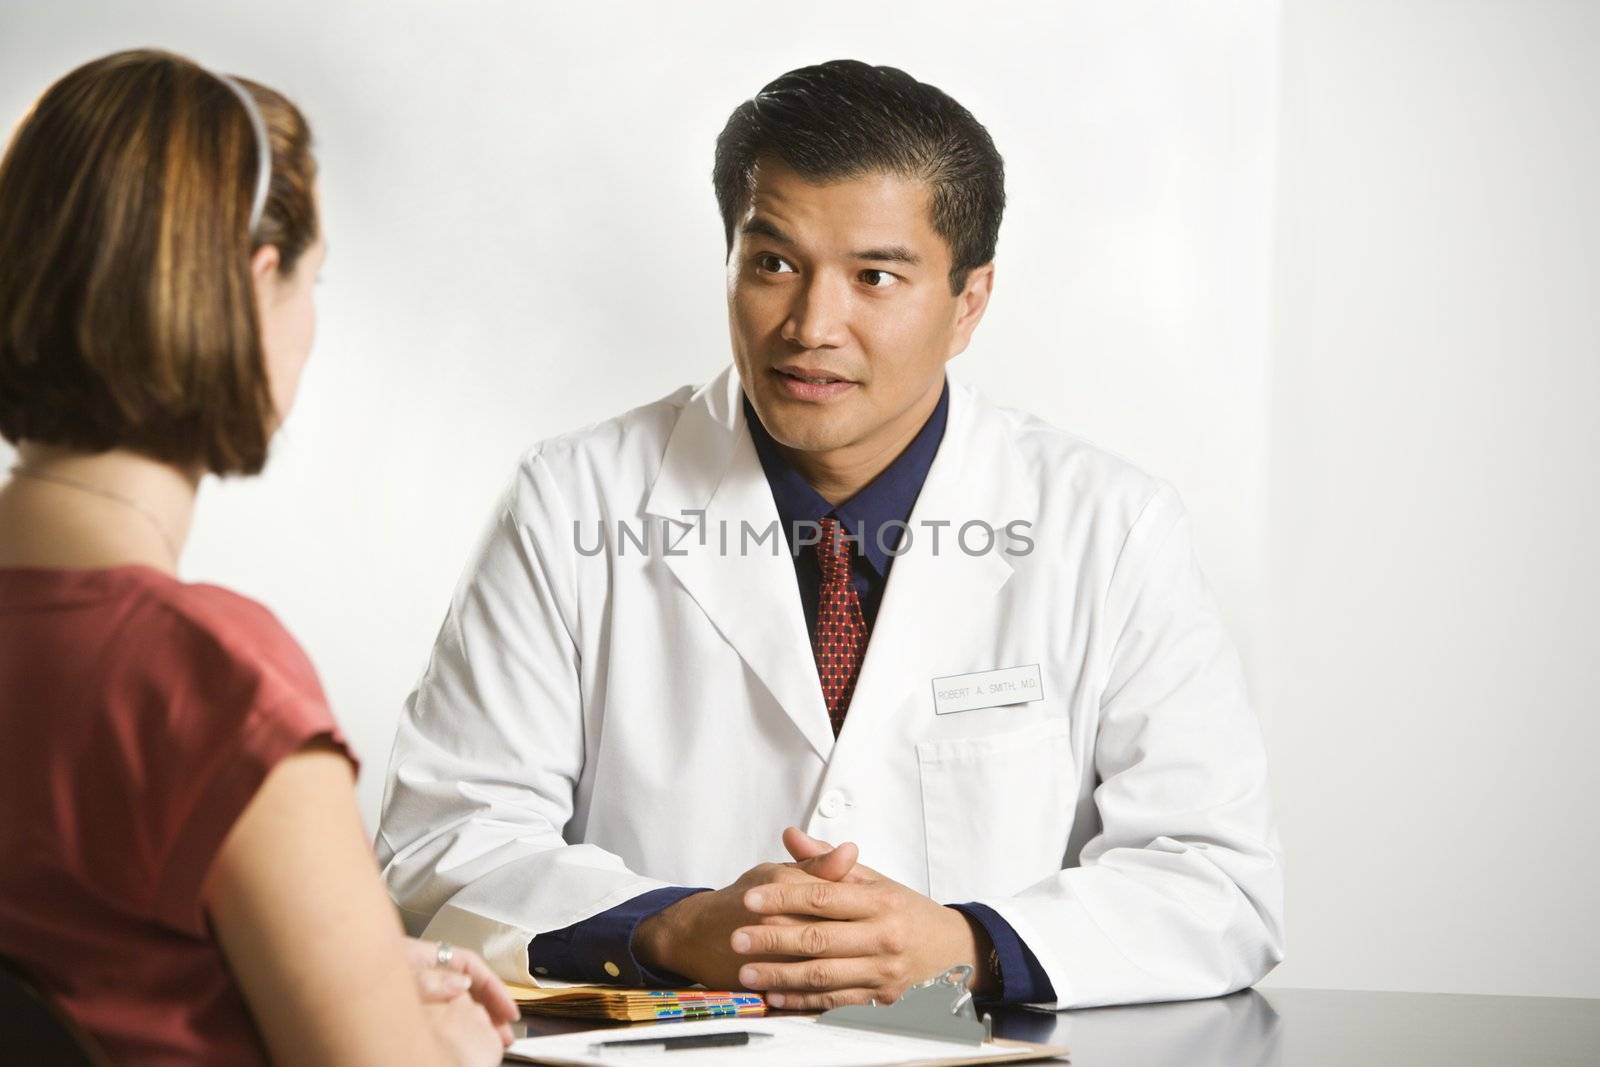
(73, 483)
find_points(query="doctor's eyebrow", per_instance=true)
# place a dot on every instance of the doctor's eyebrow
(890, 254)
(763, 228)
(881, 254)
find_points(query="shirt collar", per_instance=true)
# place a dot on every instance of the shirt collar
(887, 498)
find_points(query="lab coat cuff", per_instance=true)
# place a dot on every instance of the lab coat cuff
(600, 948)
(1022, 979)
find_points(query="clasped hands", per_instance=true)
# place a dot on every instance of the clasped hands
(817, 933)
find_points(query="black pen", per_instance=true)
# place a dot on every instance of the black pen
(726, 1039)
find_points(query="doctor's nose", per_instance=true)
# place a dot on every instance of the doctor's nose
(818, 316)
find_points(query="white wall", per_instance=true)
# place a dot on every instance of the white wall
(524, 240)
(1430, 649)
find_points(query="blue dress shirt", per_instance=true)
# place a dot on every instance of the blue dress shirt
(869, 516)
(599, 949)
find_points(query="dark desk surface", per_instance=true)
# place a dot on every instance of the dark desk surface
(1308, 1028)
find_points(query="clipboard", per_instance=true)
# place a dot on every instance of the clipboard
(935, 1024)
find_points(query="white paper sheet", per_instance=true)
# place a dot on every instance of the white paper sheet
(797, 1041)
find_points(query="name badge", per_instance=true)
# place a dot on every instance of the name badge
(987, 689)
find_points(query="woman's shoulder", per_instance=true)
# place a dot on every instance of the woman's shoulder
(219, 638)
(243, 696)
(181, 697)
(155, 631)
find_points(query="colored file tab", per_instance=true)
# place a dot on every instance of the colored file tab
(635, 1005)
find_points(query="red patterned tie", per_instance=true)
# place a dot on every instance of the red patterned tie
(840, 640)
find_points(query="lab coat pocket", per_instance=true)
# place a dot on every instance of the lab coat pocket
(997, 809)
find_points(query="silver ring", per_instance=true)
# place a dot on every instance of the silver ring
(445, 954)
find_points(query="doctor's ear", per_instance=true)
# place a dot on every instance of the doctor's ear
(971, 303)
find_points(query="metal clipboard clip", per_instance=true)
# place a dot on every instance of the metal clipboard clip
(939, 1009)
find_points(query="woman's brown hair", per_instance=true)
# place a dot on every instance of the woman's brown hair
(127, 312)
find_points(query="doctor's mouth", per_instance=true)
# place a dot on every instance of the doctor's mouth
(669, 538)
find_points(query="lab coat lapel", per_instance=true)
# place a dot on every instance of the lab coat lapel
(746, 588)
(938, 602)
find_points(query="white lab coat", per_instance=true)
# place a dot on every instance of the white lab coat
(593, 726)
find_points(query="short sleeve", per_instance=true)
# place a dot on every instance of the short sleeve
(222, 694)
(221, 794)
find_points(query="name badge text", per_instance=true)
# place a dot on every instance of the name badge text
(987, 689)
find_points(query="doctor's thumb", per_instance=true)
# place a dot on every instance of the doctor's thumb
(802, 846)
(834, 864)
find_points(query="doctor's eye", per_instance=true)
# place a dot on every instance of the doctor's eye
(878, 279)
(768, 263)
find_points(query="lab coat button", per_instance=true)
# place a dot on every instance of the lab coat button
(833, 804)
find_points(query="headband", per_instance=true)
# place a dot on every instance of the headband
(263, 149)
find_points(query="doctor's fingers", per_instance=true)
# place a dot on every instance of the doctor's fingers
(831, 864)
(858, 872)
(803, 847)
(828, 900)
(817, 976)
(762, 873)
(815, 939)
(833, 998)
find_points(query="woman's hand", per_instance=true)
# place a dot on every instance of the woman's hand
(464, 972)
(463, 1027)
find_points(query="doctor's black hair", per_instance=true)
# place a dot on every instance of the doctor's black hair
(843, 119)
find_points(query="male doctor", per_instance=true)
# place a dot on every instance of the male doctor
(830, 674)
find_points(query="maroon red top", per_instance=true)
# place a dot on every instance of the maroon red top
(138, 715)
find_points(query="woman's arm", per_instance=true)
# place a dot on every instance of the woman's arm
(312, 938)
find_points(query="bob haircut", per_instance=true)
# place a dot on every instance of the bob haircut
(128, 316)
